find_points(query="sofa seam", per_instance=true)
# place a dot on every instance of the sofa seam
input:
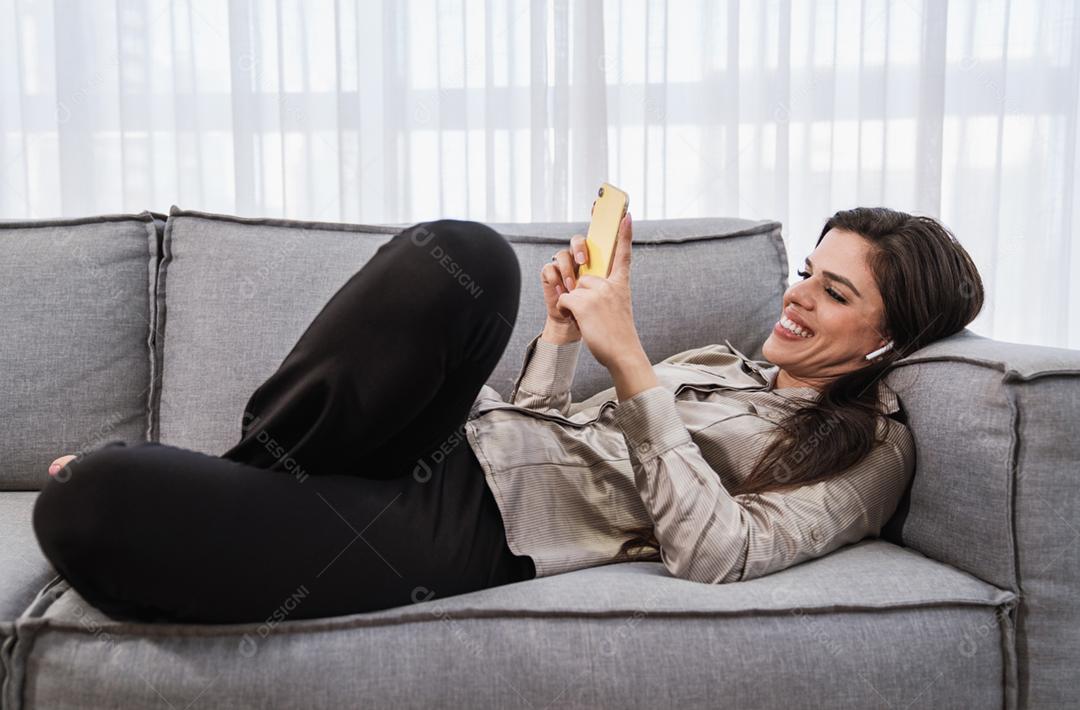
(175, 211)
(161, 321)
(151, 309)
(24, 638)
(1008, 375)
(1014, 466)
(201, 630)
(1014, 376)
(750, 230)
(7, 651)
(1010, 658)
(77, 221)
(1015, 445)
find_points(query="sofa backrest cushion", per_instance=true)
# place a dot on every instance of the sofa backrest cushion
(76, 351)
(236, 293)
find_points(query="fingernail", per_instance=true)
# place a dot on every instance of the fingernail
(579, 257)
(53, 469)
(569, 283)
(558, 289)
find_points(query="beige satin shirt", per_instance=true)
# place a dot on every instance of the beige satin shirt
(570, 478)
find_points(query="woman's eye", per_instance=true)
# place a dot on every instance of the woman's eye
(832, 292)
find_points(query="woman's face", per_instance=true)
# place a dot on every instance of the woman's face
(837, 301)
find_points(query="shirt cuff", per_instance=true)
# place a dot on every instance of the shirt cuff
(650, 422)
(549, 368)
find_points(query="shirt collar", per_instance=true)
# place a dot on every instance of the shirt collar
(888, 402)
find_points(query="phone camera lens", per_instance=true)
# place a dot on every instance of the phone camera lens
(601, 193)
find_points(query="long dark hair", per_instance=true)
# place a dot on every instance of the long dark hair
(931, 289)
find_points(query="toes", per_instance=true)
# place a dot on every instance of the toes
(59, 464)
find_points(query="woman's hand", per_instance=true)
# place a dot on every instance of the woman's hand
(558, 277)
(603, 310)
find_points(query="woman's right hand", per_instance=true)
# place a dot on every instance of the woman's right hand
(559, 276)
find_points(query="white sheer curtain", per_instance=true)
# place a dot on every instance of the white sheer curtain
(500, 110)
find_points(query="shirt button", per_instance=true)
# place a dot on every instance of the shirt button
(815, 534)
(644, 447)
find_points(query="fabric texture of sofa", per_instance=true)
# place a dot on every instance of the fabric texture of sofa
(154, 327)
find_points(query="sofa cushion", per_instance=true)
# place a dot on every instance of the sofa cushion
(236, 293)
(76, 352)
(995, 490)
(886, 626)
(23, 568)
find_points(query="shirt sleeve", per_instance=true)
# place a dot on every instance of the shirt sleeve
(708, 535)
(547, 374)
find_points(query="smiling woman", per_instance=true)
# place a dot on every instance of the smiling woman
(879, 285)
(876, 276)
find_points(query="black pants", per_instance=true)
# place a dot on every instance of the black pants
(352, 487)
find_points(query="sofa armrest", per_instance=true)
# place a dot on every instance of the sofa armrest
(996, 490)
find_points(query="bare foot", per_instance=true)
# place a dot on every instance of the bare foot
(58, 465)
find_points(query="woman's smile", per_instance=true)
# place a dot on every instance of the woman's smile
(787, 328)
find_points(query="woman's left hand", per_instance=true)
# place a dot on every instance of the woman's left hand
(602, 307)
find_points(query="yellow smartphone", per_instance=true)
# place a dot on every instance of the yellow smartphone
(609, 208)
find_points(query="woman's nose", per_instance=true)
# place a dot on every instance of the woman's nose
(800, 294)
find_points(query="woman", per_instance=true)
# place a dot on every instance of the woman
(352, 487)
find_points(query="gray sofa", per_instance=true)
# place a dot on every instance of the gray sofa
(155, 327)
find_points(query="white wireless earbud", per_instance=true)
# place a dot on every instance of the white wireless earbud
(880, 351)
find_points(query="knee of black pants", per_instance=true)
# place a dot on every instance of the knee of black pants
(80, 531)
(484, 262)
(74, 506)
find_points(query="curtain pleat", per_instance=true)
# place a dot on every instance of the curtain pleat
(540, 157)
(931, 107)
(1065, 317)
(994, 227)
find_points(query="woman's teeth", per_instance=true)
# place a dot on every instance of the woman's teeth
(797, 330)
